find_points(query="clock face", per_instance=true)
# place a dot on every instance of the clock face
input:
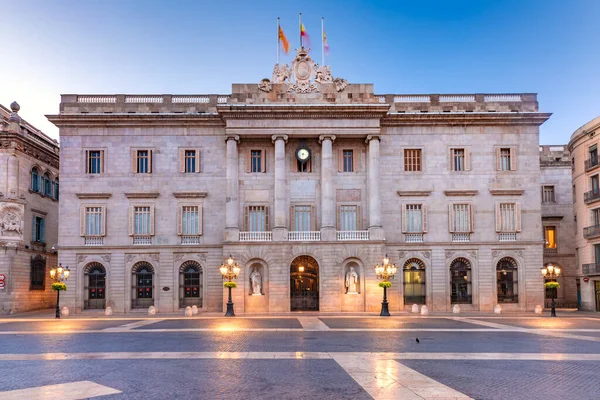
(303, 154)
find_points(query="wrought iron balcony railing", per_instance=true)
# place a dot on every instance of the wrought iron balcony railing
(591, 269)
(591, 231)
(591, 164)
(591, 196)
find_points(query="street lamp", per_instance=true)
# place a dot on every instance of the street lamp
(385, 272)
(58, 275)
(551, 273)
(230, 270)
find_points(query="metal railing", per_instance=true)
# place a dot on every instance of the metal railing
(190, 239)
(256, 236)
(352, 235)
(142, 240)
(461, 237)
(304, 236)
(550, 250)
(591, 269)
(591, 196)
(94, 241)
(591, 231)
(591, 163)
(507, 236)
(413, 237)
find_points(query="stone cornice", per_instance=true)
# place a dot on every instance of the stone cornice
(142, 195)
(466, 118)
(507, 192)
(190, 195)
(93, 195)
(461, 192)
(302, 111)
(31, 147)
(137, 119)
(552, 217)
(413, 193)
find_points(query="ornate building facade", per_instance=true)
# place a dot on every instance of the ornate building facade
(29, 191)
(307, 181)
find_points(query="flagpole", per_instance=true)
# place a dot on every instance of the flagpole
(300, 27)
(322, 41)
(278, 40)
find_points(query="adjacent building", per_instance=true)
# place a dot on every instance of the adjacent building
(586, 203)
(29, 192)
(307, 182)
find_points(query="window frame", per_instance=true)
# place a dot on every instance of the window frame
(262, 161)
(340, 219)
(414, 163)
(312, 217)
(516, 217)
(180, 214)
(404, 216)
(466, 156)
(38, 231)
(88, 161)
(83, 220)
(452, 217)
(547, 244)
(183, 160)
(553, 194)
(135, 160)
(37, 265)
(512, 158)
(132, 228)
(249, 208)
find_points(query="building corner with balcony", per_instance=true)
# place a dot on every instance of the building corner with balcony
(305, 180)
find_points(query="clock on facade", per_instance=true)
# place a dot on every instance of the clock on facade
(303, 154)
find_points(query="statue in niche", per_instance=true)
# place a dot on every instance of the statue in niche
(352, 281)
(11, 225)
(256, 281)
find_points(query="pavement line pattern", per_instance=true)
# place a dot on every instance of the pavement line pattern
(312, 324)
(133, 325)
(63, 391)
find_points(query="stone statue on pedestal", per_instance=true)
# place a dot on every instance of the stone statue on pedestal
(256, 281)
(352, 281)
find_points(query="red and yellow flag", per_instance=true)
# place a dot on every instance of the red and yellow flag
(283, 40)
(325, 44)
(304, 36)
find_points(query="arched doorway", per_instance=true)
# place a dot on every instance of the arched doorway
(507, 282)
(190, 284)
(94, 286)
(143, 285)
(304, 284)
(460, 281)
(414, 282)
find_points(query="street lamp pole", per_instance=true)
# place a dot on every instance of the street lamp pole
(385, 272)
(551, 273)
(230, 271)
(58, 275)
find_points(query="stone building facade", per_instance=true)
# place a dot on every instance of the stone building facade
(586, 203)
(29, 185)
(559, 222)
(309, 181)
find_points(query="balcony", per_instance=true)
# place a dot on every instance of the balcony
(462, 237)
(591, 269)
(507, 236)
(256, 236)
(94, 241)
(591, 164)
(304, 236)
(590, 232)
(352, 235)
(591, 196)
(142, 240)
(550, 250)
(413, 237)
(190, 239)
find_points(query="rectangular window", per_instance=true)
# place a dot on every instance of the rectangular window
(574, 194)
(413, 218)
(507, 217)
(94, 221)
(143, 161)
(595, 216)
(94, 161)
(348, 156)
(190, 161)
(47, 186)
(595, 184)
(412, 160)
(256, 161)
(505, 159)
(593, 151)
(548, 194)
(461, 218)
(190, 220)
(302, 218)
(257, 219)
(38, 273)
(458, 160)
(142, 221)
(597, 254)
(348, 218)
(550, 237)
(38, 229)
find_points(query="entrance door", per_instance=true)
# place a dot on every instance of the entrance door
(95, 278)
(304, 284)
(597, 295)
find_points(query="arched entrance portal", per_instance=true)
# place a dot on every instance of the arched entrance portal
(304, 284)
(94, 286)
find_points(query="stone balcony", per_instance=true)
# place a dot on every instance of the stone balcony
(590, 232)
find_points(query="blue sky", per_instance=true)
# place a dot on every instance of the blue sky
(407, 46)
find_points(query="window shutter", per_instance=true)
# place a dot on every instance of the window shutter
(179, 219)
(403, 214)
(263, 160)
(200, 206)
(101, 161)
(87, 161)
(181, 160)
(33, 237)
(498, 218)
(42, 226)
(340, 160)
(313, 219)
(131, 218)
(267, 227)
(424, 217)
(471, 220)
(513, 158)
(198, 160)
(467, 159)
(498, 164)
(451, 160)
(294, 166)
(517, 217)
(134, 161)
(338, 218)
(356, 160)
(103, 231)
(82, 221)
(292, 219)
(248, 162)
(152, 220)
(150, 161)
(246, 218)
(309, 166)
(359, 218)
(451, 218)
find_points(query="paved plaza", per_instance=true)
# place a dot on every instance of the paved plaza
(300, 356)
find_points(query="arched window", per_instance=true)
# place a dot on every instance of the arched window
(460, 281)
(94, 286)
(506, 279)
(142, 285)
(190, 284)
(56, 188)
(414, 282)
(47, 185)
(38, 273)
(35, 180)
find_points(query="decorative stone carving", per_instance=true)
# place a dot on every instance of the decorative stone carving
(324, 74)
(401, 254)
(351, 281)
(178, 257)
(106, 258)
(155, 257)
(340, 84)
(473, 254)
(202, 256)
(12, 225)
(256, 282)
(520, 253)
(81, 258)
(129, 257)
(265, 85)
(303, 71)
(426, 254)
(495, 253)
(280, 74)
(449, 253)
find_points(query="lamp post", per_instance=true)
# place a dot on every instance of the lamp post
(230, 270)
(385, 272)
(551, 272)
(58, 275)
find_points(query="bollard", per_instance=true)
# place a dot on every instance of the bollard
(415, 308)
(538, 309)
(424, 310)
(456, 309)
(188, 311)
(498, 309)
(194, 310)
(108, 311)
(151, 310)
(64, 312)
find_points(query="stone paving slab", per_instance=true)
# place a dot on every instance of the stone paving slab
(515, 380)
(397, 323)
(547, 323)
(59, 325)
(194, 379)
(225, 323)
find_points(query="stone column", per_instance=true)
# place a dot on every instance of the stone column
(375, 228)
(280, 227)
(232, 200)
(328, 216)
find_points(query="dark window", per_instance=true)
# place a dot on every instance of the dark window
(593, 155)
(303, 166)
(507, 281)
(143, 285)
(460, 281)
(35, 180)
(255, 161)
(47, 185)
(94, 162)
(458, 159)
(38, 273)
(143, 161)
(348, 160)
(38, 229)
(56, 189)
(595, 184)
(190, 161)
(95, 289)
(190, 283)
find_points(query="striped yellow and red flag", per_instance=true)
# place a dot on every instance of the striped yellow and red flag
(283, 40)
(325, 44)
(304, 36)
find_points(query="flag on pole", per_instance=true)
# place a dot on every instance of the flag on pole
(304, 36)
(325, 44)
(284, 42)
